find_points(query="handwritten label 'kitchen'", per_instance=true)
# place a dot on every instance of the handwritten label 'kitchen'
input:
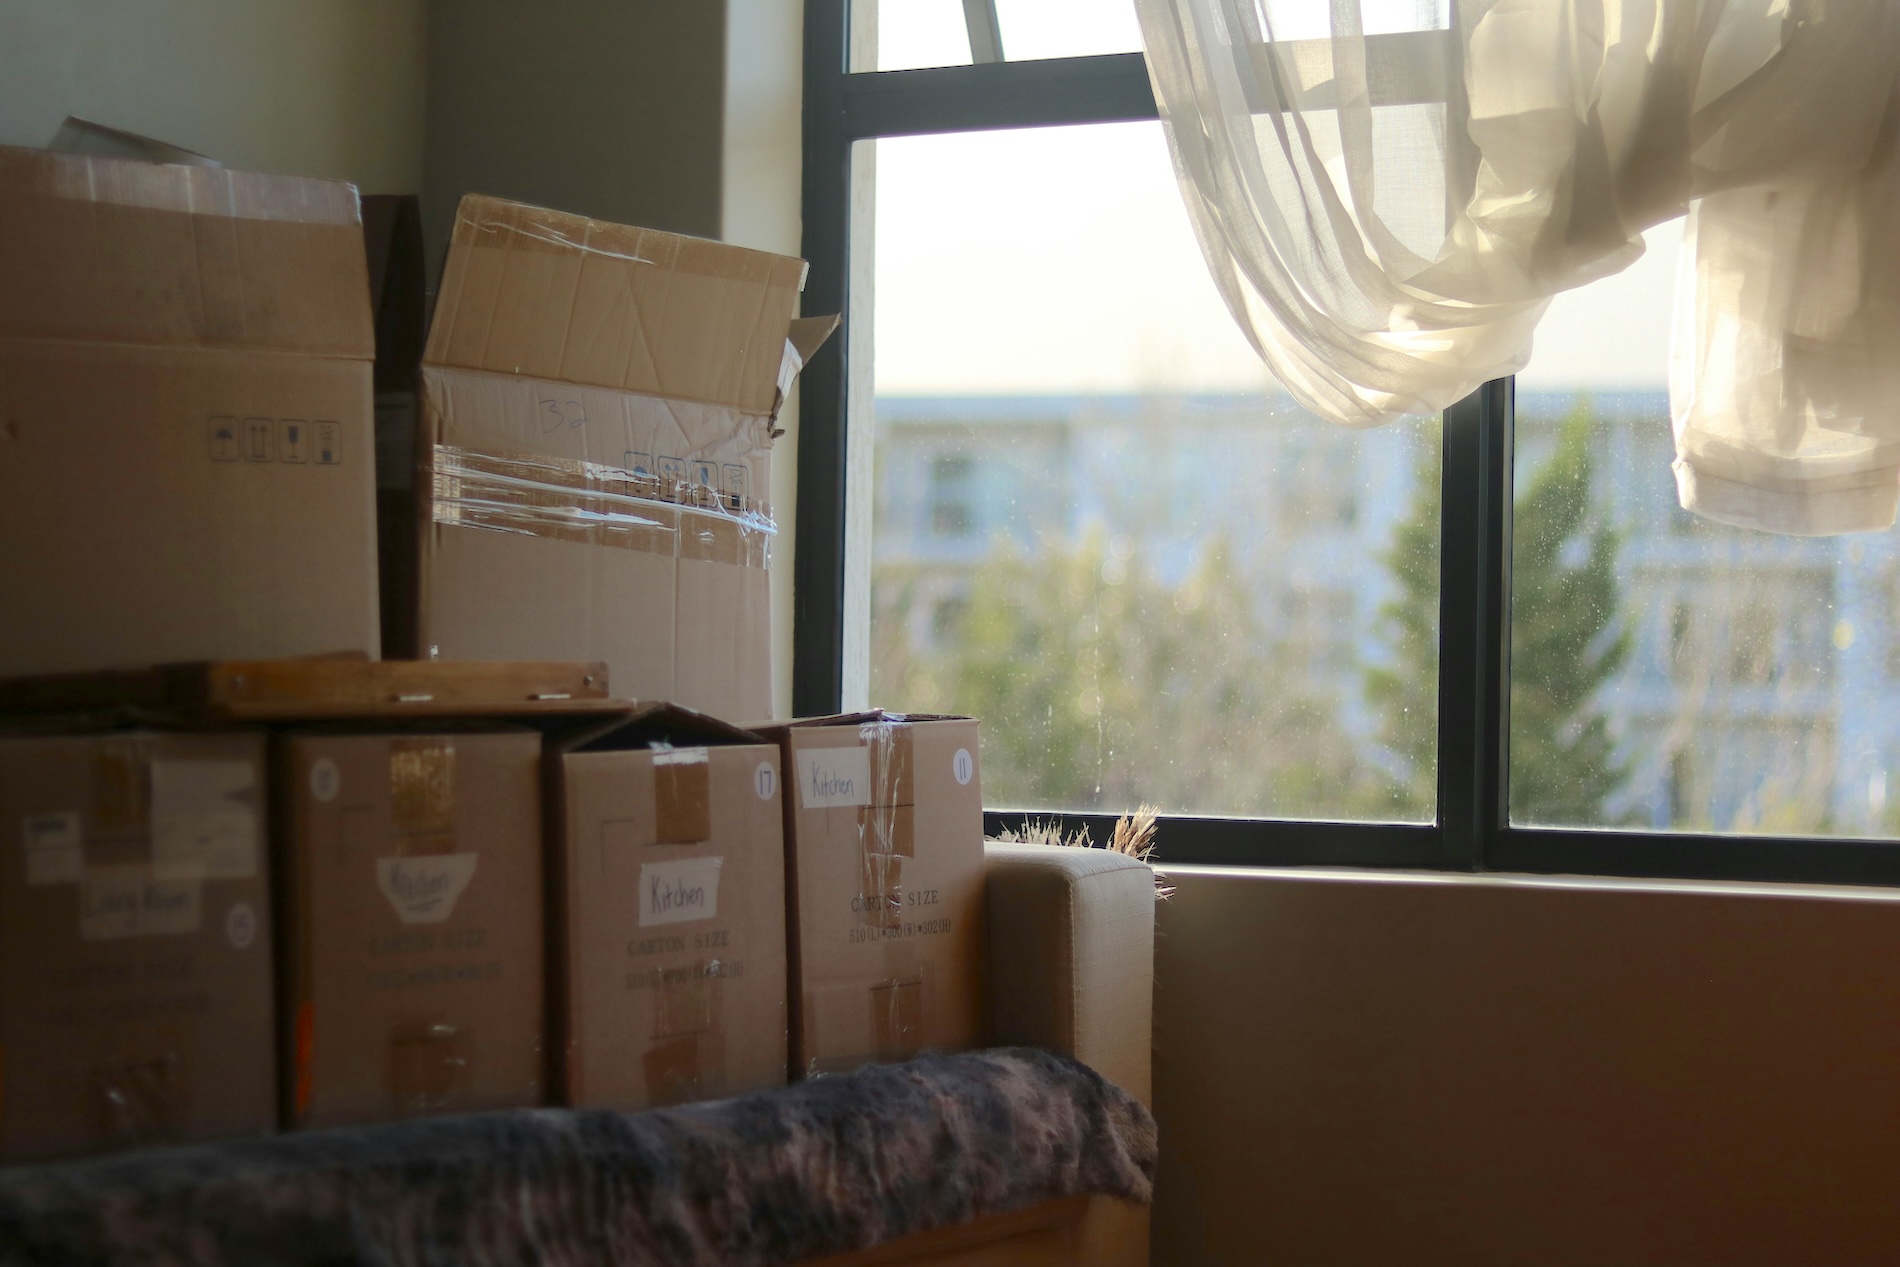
(425, 888)
(680, 891)
(832, 777)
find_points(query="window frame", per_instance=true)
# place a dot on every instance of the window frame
(1472, 829)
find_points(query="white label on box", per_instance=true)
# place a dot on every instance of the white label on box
(765, 780)
(963, 766)
(240, 925)
(425, 888)
(117, 902)
(325, 780)
(200, 829)
(55, 848)
(680, 891)
(833, 777)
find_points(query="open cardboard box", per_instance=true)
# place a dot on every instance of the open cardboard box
(599, 407)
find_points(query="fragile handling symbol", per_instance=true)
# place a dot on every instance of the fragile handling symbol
(293, 443)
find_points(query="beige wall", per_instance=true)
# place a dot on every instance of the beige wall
(760, 206)
(1482, 1070)
(606, 108)
(317, 87)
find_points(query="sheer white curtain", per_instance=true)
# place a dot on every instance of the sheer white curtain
(1388, 193)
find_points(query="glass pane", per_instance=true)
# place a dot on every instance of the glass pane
(911, 34)
(1095, 523)
(1667, 672)
(908, 34)
(1067, 28)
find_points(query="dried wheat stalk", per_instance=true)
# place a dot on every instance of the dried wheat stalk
(1134, 835)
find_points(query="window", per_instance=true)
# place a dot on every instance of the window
(1669, 673)
(1169, 593)
(1042, 480)
(951, 511)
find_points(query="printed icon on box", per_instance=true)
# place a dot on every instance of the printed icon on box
(639, 463)
(257, 439)
(293, 440)
(734, 484)
(225, 445)
(672, 473)
(706, 474)
(329, 443)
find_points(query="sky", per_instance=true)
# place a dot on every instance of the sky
(1060, 260)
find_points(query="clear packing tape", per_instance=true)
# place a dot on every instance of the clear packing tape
(590, 503)
(886, 843)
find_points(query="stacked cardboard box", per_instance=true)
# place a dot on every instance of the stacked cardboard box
(670, 932)
(720, 902)
(411, 961)
(185, 456)
(135, 933)
(884, 838)
(598, 416)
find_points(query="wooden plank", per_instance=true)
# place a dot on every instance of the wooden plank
(295, 689)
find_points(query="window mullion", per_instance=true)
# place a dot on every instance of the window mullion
(1474, 624)
(819, 553)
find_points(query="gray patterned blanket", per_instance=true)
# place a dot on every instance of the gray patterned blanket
(823, 1167)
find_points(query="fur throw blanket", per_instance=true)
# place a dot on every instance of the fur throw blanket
(826, 1166)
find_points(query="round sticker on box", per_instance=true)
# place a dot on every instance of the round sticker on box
(240, 925)
(325, 782)
(765, 780)
(963, 765)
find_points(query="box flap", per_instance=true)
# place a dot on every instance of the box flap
(860, 718)
(805, 336)
(808, 334)
(110, 250)
(662, 723)
(550, 295)
(83, 136)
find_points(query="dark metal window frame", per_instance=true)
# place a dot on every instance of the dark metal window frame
(1472, 831)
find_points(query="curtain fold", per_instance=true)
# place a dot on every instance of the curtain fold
(1389, 192)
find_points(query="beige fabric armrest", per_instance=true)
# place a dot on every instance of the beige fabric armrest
(1071, 946)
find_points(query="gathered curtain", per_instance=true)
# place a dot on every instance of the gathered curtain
(1388, 211)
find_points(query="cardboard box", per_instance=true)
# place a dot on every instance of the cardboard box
(412, 938)
(597, 426)
(135, 966)
(884, 847)
(672, 930)
(185, 446)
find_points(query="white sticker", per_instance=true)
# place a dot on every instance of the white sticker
(829, 777)
(425, 888)
(118, 902)
(200, 827)
(240, 925)
(325, 782)
(963, 765)
(679, 892)
(765, 780)
(55, 848)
